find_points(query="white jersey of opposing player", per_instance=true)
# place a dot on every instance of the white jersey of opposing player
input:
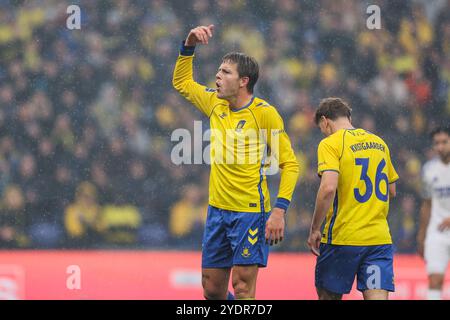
(436, 180)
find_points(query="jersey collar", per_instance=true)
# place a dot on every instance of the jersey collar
(244, 107)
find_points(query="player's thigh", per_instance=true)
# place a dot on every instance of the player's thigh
(436, 254)
(246, 233)
(375, 294)
(376, 271)
(324, 294)
(216, 246)
(336, 268)
(215, 282)
(245, 273)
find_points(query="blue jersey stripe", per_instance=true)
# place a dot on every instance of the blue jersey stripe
(261, 195)
(333, 218)
(261, 177)
(262, 225)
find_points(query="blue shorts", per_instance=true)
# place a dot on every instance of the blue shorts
(337, 267)
(234, 238)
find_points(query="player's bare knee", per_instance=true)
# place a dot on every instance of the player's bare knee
(330, 296)
(244, 281)
(324, 294)
(212, 295)
(213, 290)
(376, 295)
(242, 289)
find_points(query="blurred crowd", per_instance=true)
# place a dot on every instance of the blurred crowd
(86, 115)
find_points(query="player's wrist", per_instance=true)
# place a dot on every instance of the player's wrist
(282, 203)
(187, 49)
(278, 212)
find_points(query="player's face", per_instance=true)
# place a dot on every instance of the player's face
(441, 145)
(227, 80)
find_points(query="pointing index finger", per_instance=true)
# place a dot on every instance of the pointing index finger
(211, 29)
(208, 31)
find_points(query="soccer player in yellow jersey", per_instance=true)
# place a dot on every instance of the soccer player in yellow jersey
(357, 180)
(240, 222)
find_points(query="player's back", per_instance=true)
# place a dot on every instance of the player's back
(360, 208)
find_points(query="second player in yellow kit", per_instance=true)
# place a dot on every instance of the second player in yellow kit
(363, 162)
(357, 181)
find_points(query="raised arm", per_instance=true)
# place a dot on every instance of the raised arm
(183, 81)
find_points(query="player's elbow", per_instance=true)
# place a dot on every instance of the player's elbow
(180, 85)
(329, 183)
(392, 190)
(295, 167)
(292, 166)
(328, 190)
(176, 83)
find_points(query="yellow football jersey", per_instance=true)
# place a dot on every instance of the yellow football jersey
(359, 212)
(240, 139)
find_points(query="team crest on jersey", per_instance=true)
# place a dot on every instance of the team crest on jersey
(246, 253)
(240, 125)
(223, 115)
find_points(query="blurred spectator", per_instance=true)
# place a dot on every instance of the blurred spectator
(298, 224)
(28, 181)
(419, 87)
(390, 88)
(404, 229)
(82, 217)
(188, 216)
(119, 223)
(13, 219)
(63, 185)
(102, 182)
